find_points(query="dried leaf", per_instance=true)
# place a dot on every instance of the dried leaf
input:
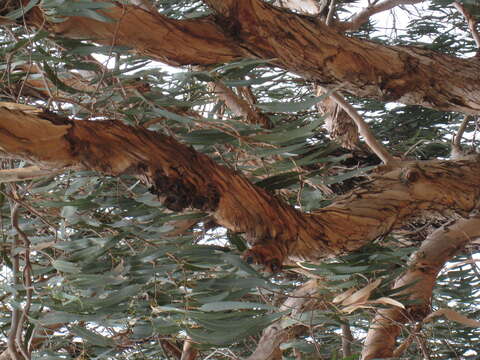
(352, 308)
(362, 295)
(387, 301)
(341, 297)
(452, 315)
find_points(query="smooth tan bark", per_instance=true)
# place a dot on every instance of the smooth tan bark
(425, 265)
(303, 299)
(185, 178)
(255, 29)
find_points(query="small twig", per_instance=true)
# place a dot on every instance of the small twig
(457, 151)
(347, 340)
(14, 323)
(189, 352)
(471, 22)
(27, 173)
(362, 17)
(423, 347)
(408, 341)
(376, 147)
(331, 12)
(403, 347)
(27, 283)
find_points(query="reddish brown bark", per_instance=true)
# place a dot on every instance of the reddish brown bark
(185, 178)
(255, 29)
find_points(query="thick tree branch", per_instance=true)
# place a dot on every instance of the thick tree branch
(175, 42)
(425, 265)
(255, 29)
(185, 178)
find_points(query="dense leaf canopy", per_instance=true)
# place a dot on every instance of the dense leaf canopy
(105, 264)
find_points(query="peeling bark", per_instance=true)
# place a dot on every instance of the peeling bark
(185, 178)
(175, 42)
(338, 123)
(239, 106)
(255, 29)
(425, 265)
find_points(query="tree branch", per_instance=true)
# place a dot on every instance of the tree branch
(425, 264)
(364, 130)
(471, 22)
(340, 126)
(255, 29)
(27, 173)
(301, 300)
(362, 17)
(15, 327)
(184, 178)
(457, 151)
(188, 351)
(347, 340)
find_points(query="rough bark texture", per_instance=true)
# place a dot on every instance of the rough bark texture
(425, 265)
(255, 29)
(175, 42)
(185, 178)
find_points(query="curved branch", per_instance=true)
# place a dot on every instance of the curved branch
(457, 151)
(426, 263)
(471, 22)
(362, 17)
(185, 178)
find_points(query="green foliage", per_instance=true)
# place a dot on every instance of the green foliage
(109, 273)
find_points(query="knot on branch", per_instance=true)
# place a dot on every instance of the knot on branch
(179, 194)
(411, 175)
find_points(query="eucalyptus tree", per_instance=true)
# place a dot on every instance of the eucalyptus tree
(239, 179)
